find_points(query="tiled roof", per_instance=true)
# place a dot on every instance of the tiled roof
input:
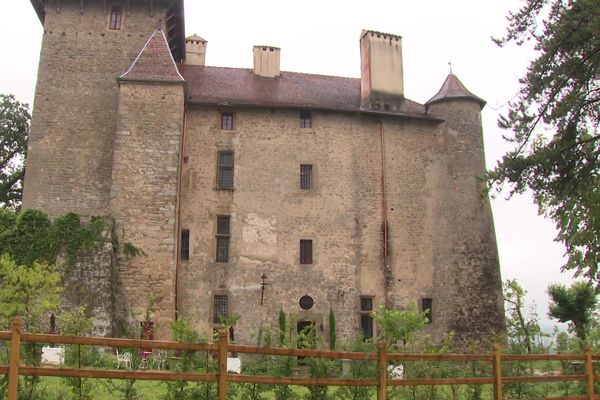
(240, 87)
(154, 63)
(452, 88)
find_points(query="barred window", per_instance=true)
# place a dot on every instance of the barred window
(225, 170)
(366, 321)
(306, 177)
(116, 17)
(223, 236)
(305, 119)
(306, 253)
(426, 307)
(227, 121)
(185, 244)
(220, 308)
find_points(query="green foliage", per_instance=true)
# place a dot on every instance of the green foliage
(132, 250)
(399, 326)
(14, 132)
(359, 369)
(555, 120)
(31, 292)
(332, 333)
(522, 328)
(190, 361)
(78, 323)
(31, 236)
(282, 327)
(574, 304)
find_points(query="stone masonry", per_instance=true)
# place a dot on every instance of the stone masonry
(126, 127)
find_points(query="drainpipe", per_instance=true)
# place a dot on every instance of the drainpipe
(384, 227)
(178, 219)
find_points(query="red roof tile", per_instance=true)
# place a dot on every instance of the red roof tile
(155, 62)
(452, 88)
(240, 87)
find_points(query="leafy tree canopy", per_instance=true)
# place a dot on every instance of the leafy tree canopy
(574, 304)
(14, 131)
(554, 122)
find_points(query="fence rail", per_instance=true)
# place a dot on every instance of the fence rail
(222, 347)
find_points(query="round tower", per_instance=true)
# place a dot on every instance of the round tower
(467, 280)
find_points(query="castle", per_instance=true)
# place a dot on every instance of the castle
(250, 191)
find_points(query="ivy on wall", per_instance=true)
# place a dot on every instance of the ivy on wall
(32, 236)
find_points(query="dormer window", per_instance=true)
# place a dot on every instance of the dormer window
(116, 17)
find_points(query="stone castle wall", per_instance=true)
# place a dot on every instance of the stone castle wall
(75, 109)
(144, 195)
(342, 214)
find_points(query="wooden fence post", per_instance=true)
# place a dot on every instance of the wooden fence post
(222, 377)
(382, 371)
(497, 371)
(589, 372)
(13, 364)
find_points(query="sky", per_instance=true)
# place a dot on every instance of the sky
(322, 37)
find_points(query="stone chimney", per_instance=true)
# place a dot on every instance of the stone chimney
(266, 61)
(381, 78)
(195, 50)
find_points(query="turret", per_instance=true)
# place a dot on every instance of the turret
(145, 173)
(467, 273)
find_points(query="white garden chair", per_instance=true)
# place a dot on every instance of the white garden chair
(124, 358)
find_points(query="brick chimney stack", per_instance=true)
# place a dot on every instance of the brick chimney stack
(266, 61)
(382, 80)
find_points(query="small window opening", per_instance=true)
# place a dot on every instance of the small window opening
(227, 121)
(305, 119)
(220, 308)
(306, 177)
(185, 244)
(116, 17)
(225, 170)
(223, 236)
(306, 251)
(366, 320)
(426, 307)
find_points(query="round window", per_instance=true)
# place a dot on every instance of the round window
(306, 302)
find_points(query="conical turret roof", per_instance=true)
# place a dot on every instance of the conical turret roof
(155, 62)
(452, 89)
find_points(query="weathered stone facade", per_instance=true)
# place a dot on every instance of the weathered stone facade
(394, 209)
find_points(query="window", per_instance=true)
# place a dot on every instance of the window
(116, 17)
(185, 244)
(225, 170)
(305, 119)
(366, 321)
(305, 177)
(227, 121)
(223, 235)
(426, 307)
(220, 308)
(306, 251)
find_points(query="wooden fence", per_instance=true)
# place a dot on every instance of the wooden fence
(222, 347)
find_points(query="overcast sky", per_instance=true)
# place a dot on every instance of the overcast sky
(322, 37)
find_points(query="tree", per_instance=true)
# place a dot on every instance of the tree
(574, 304)
(399, 326)
(522, 330)
(554, 121)
(14, 131)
